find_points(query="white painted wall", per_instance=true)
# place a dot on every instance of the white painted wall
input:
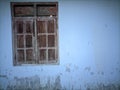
(89, 47)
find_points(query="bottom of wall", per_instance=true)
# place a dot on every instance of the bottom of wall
(36, 83)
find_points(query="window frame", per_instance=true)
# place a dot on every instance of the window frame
(34, 18)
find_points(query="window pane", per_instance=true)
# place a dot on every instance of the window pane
(51, 26)
(29, 55)
(20, 55)
(41, 27)
(43, 54)
(51, 54)
(46, 10)
(51, 40)
(23, 10)
(42, 41)
(20, 41)
(29, 27)
(28, 40)
(20, 27)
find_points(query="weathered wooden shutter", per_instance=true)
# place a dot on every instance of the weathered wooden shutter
(23, 34)
(47, 39)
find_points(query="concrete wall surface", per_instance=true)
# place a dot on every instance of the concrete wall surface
(89, 49)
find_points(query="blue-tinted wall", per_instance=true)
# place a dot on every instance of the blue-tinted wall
(89, 49)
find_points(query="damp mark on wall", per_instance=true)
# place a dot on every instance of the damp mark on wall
(103, 87)
(67, 69)
(3, 76)
(111, 72)
(34, 83)
(87, 68)
(76, 67)
(106, 26)
(100, 72)
(92, 73)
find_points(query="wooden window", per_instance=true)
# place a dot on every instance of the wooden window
(35, 32)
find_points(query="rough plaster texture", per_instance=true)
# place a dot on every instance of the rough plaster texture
(89, 49)
(34, 83)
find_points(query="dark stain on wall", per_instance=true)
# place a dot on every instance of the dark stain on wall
(87, 68)
(104, 87)
(3, 76)
(100, 73)
(67, 69)
(34, 83)
(92, 73)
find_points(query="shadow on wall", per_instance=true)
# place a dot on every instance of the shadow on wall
(34, 83)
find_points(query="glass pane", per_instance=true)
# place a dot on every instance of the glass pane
(23, 10)
(20, 27)
(20, 41)
(51, 40)
(28, 40)
(29, 55)
(43, 54)
(29, 27)
(51, 54)
(20, 55)
(46, 10)
(42, 41)
(41, 27)
(51, 26)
